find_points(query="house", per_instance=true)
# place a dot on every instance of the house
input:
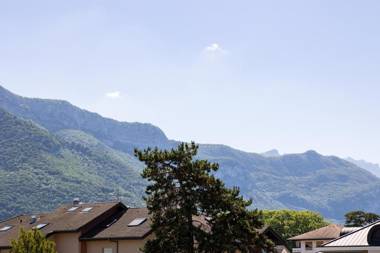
(312, 241)
(97, 228)
(279, 242)
(363, 240)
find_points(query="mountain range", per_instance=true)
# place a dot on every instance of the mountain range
(52, 151)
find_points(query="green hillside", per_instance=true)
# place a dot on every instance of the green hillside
(326, 184)
(39, 171)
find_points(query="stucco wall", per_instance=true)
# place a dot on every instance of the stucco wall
(4, 250)
(302, 248)
(66, 242)
(125, 246)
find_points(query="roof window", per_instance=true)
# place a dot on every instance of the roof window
(86, 210)
(72, 209)
(39, 226)
(136, 222)
(5, 228)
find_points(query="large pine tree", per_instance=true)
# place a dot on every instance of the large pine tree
(191, 210)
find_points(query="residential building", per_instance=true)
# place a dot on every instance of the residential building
(363, 240)
(312, 241)
(98, 228)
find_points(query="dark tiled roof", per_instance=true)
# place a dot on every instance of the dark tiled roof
(329, 232)
(59, 220)
(7, 236)
(120, 229)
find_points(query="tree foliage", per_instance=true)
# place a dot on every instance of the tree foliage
(32, 241)
(360, 218)
(191, 210)
(290, 223)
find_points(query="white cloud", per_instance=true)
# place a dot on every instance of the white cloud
(215, 48)
(113, 94)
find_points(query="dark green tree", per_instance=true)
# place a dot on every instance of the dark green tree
(32, 241)
(360, 218)
(191, 210)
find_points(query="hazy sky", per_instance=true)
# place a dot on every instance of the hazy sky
(256, 75)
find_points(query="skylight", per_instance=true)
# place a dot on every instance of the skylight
(39, 226)
(5, 228)
(72, 209)
(136, 222)
(87, 209)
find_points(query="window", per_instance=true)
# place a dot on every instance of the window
(308, 245)
(72, 209)
(86, 210)
(107, 250)
(39, 226)
(298, 244)
(136, 222)
(5, 228)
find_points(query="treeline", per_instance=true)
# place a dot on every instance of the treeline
(290, 223)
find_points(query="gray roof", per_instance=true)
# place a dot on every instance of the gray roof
(354, 239)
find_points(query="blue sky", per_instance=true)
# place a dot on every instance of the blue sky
(255, 75)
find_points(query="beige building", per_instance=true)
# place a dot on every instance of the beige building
(85, 228)
(311, 242)
(96, 228)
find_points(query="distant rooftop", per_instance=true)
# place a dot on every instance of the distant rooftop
(329, 232)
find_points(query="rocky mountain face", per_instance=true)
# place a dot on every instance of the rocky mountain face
(52, 151)
(271, 153)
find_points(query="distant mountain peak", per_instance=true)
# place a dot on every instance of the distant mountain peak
(312, 152)
(271, 153)
(371, 167)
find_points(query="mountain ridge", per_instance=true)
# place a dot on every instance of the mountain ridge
(326, 184)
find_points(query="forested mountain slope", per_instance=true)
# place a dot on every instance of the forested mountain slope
(39, 171)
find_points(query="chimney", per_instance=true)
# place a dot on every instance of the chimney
(76, 201)
(33, 219)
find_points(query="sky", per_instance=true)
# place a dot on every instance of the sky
(293, 75)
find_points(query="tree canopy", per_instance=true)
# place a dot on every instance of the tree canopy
(290, 223)
(360, 218)
(32, 241)
(191, 210)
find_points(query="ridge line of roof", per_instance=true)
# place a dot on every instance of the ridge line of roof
(12, 217)
(91, 203)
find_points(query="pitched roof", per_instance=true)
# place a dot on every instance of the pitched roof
(353, 239)
(60, 220)
(119, 229)
(329, 232)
